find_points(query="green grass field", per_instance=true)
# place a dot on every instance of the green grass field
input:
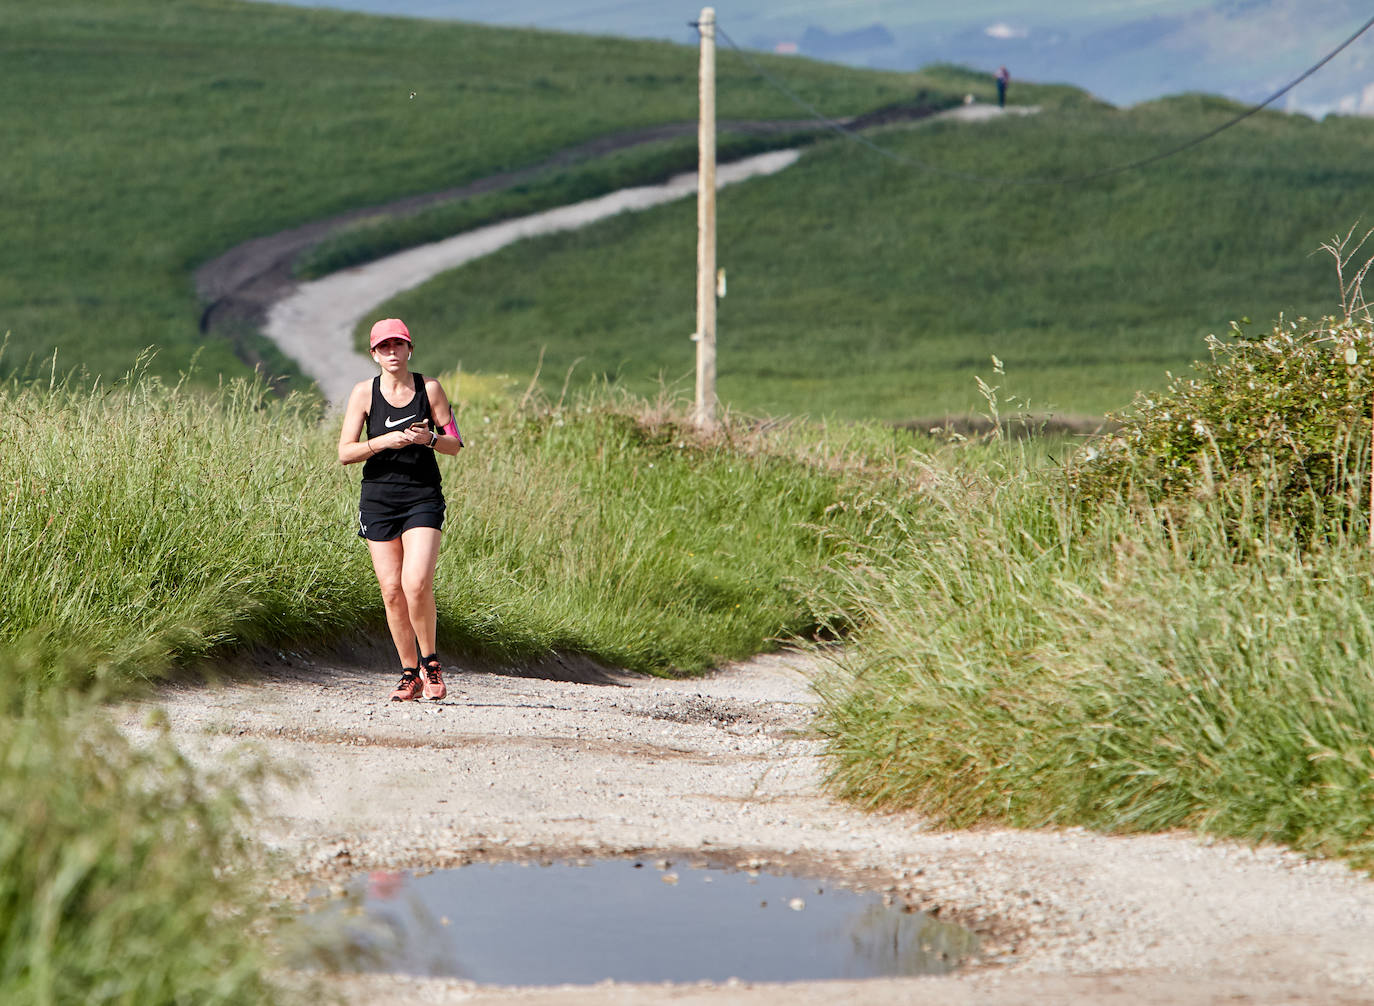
(861, 287)
(143, 138)
(146, 139)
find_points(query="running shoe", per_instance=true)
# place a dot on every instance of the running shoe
(409, 687)
(433, 674)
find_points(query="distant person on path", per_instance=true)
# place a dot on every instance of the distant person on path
(406, 418)
(1003, 78)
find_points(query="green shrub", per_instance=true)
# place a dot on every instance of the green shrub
(1273, 430)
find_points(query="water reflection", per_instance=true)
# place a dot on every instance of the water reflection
(519, 924)
(909, 943)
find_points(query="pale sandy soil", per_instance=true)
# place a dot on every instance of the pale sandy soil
(572, 761)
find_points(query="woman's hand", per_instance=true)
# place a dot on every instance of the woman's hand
(416, 433)
(419, 433)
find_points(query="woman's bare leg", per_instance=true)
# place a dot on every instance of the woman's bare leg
(388, 562)
(420, 555)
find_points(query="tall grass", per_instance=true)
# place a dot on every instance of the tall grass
(123, 876)
(1018, 665)
(613, 529)
(147, 523)
(150, 524)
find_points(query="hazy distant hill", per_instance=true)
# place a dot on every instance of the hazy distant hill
(1121, 51)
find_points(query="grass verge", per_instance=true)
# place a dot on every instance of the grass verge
(200, 520)
(1022, 666)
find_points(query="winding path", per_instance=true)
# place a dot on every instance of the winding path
(252, 284)
(240, 285)
(313, 324)
(568, 760)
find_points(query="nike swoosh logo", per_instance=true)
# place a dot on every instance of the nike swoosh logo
(390, 424)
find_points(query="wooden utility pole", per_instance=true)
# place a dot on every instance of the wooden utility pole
(706, 227)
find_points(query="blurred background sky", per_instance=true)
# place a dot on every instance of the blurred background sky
(1123, 51)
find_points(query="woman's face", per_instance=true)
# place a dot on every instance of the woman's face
(391, 354)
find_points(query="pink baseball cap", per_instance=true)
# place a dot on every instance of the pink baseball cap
(389, 328)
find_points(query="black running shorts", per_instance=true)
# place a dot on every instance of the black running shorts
(386, 523)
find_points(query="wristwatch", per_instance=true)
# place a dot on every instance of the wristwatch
(433, 437)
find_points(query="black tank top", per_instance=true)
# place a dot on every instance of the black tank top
(390, 475)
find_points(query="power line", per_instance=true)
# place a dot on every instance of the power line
(840, 127)
(849, 134)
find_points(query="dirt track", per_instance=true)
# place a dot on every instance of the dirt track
(314, 321)
(572, 760)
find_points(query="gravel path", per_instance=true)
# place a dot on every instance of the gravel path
(570, 760)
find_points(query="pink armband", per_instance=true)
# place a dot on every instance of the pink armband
(451, 428)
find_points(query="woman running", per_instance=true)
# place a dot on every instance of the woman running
(401, 510)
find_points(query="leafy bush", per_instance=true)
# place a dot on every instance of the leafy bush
(1274, 430)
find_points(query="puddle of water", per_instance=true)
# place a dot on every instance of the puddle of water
(627, 920)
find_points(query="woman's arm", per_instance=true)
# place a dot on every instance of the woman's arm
(351, 449)
(449, 442)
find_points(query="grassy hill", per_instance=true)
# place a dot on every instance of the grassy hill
(145, 137)
(1126, 51)
(868, 286)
